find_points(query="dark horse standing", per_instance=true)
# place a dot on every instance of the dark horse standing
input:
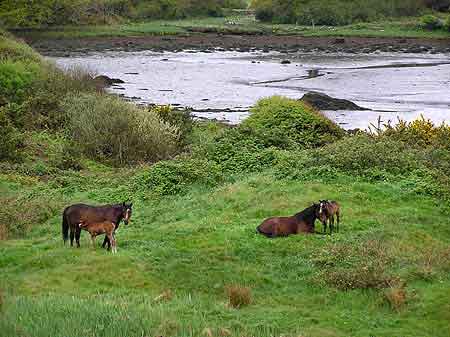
(76, 214)
(302, 222)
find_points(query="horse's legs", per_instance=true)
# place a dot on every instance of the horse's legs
(331, 224)
(72, 236)
(106, 241)
(338, 216)
(93, 240)
(324, 226)
(77, 235)
(112, 240)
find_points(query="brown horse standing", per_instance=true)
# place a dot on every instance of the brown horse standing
(76, 214)
(327, 210)
(302, 222)
(98, 228)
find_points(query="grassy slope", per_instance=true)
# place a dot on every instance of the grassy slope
(407, 27)
(195, 245)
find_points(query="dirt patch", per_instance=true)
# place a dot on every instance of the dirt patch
(204, 42)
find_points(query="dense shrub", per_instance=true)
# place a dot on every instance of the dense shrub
(447, 24)
(236, 151)
(333, 12)
(418, 133)
(106, 127)
(15, 79)
(431, 22)
(9, 137)
(182, 119)
(176, 176)
(14, 50)
(288, 124)
(42, 107)
(24, 13)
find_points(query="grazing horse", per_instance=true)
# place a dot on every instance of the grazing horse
(302, 222)
(97, 228)
(75, 214)
(328, 209)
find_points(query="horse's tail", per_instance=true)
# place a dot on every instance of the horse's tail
(65, 227)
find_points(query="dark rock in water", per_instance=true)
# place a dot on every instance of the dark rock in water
(131, 73)
(106, 81)
(285, 62)
(164, 60)
(324, 102)
(144, 89)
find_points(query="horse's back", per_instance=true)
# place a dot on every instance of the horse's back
(277, 226)
(75, 213)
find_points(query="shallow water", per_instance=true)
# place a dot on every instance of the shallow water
(224, 84)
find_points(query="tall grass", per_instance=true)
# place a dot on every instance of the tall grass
(106, 127)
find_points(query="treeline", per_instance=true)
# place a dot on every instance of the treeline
(36, 13)
(340, 12)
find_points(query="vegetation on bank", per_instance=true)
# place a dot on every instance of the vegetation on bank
(340, 12)
(27, 14)
(190, 263)
(412, 27)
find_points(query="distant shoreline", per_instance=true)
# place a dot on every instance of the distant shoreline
(245, 43)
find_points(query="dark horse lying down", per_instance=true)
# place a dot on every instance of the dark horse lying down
(80, 213)
(302, 222)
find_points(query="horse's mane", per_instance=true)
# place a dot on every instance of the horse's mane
(307, 213)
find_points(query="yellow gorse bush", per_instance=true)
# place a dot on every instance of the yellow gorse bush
(421, 132)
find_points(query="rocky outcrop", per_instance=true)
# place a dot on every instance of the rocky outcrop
(106, 81)
(324, 102)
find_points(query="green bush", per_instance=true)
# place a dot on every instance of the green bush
(431, 22)
(24, 13)
(176, 176)
(106, 127)
(361, 154)
(13, 50)
(10, 138)
(183, 120)
(15, 79)
(333, 12)
(447, 24)
(42, 107)
(289, 124)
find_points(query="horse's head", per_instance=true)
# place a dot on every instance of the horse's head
(127, 210)
(321, 214)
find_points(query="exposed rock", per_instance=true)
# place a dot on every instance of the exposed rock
(324, 102)
(285, 62)
(106, 81)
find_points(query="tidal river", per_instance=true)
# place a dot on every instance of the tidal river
(224, 85)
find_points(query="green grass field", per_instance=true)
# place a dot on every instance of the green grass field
(406, 27)
(195, 245)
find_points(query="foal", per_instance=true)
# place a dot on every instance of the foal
(327, 210)
(97, 228)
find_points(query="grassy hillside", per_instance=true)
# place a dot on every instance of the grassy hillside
(194, 246)
(199, 191)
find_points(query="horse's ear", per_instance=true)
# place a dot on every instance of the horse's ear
(123, 204)
(131, 204)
